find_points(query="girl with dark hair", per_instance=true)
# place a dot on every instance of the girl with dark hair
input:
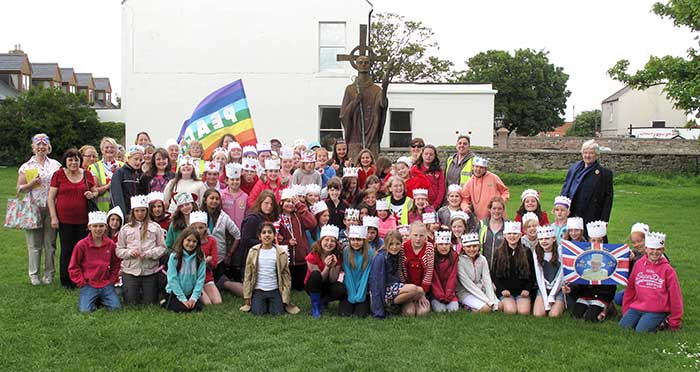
(365, 162)
(513, 272)
(340, 158)
(220, 226)
(186, 274)
(158, 174)
(428, 163)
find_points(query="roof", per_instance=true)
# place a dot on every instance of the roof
(7, 91)
(12, 62)
(559, 131)
(45, 71)
(103, 84)
(85, 80)
(616, 96)
(67, 75)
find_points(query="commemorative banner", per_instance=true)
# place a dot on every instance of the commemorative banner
(595, 263)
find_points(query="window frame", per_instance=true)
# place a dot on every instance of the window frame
(410, 124)
(339, 66)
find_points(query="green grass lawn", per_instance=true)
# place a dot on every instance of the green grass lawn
(41, 329)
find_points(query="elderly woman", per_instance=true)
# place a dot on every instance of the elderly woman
(589, 185)
(71, 187)
(104, 169)
(34, 180)
(89, 155)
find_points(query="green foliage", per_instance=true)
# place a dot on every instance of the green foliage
(532, 92)
(681, 75)
(66, 118)
(585, 124)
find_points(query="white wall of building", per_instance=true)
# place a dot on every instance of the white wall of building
(110, 115)
(639, 108)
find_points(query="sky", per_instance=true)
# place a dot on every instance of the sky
(586, 38)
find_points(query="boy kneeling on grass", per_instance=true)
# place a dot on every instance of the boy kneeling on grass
(94, 267)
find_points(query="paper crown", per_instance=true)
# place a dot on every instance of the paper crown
(263, 147)
(481, 162)
(299, 142)
(170, 142)
(352, 214)
(655, 240)
(563, 201)
(371, 221)
(530, 192)
(155, 196)
(470, 239)
(430, 217)
(133, 149)
(272, 164)
(405, 160)
(420, 193)
(574, 223)
(287, 193)
(443, 237)
(312, 188)
(308, 157)
(530, 216)
(249, 164)
(351, 172)
(324, 193)
(233, 170)
(512, 227)
(220, 150)
(212, 166)
(299, 190)
(184, 197)
(286, 153)
(597, 229)
(382, 205)
(329, 230)
(459, 215)
(404, 229)
(249, 150)
(640, 227)
(139, 201)
(544, 232)
(95, 218)
(357, 231)
(318, 207)
(199, 216)
(184, 160)
(454, 188)
(116, 210)
(314, 144)
(234, 146)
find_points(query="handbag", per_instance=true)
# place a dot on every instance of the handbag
(23, 213)
(91, 203)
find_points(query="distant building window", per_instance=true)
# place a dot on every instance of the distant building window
(72, 89)
(26, 82)
(331, 37)
(658, 124)
(400, 125)
(330, 126)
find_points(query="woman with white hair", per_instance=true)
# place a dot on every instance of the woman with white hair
(104, 170)
(589, 185)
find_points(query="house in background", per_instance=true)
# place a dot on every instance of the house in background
(86, 85)
(69, 83)
(648, 108)
(103, 93)
(15, 73)
(559, 131)
(47, 75)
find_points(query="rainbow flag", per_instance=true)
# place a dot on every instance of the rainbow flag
(225, 111)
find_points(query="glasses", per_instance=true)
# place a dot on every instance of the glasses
(417, 145)
(89, 156)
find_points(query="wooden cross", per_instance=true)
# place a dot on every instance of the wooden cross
(362, 50)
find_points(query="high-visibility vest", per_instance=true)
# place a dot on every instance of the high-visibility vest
(98, 171)
(465, 174)
(407, 204)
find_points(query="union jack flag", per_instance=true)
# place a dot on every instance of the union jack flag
(595, 263)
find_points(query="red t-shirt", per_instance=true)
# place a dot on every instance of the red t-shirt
(314, 259)
(71, 204)
(209, 249)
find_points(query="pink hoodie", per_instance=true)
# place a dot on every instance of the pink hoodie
(653, 287)
(387, 225)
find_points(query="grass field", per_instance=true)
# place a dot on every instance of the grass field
(41, 330)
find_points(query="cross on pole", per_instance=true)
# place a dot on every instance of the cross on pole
(362, 50)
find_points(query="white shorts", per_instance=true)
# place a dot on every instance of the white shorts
(210, 283)
(473, 302)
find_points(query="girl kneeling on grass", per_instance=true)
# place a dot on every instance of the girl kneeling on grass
(200, 222)
(94, 267)
(325, 262)
(418, 267)
(549, 275)
(474, 285)
(356, 265)
(513, 272)
(267, 283)
(442, 289)
(186, 273)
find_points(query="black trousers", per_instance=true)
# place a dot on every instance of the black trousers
(69, 235)
(359, 310)
(588, 313)
(329, 291)
(173, 304)
(298, 274)
(140, 289)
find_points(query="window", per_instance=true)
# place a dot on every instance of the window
(400, 129)
(72, 89)
(26, 82)
(658, 124)
(330, 127)
(331, 36)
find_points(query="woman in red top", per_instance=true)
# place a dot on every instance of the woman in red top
(429, 165)
(365, 161)
(417, 267)
(71, 187)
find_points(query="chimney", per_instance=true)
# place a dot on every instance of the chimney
(18, 50)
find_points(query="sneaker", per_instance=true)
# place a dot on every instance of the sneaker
(35, 280)
(47, 280)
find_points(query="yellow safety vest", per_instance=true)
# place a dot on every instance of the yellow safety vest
(407, 204)
(98, 171)
(465, 174)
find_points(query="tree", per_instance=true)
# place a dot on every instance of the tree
(585, 124)
(681, 75)
(532, 92)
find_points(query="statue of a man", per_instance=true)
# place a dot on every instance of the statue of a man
(363, 107)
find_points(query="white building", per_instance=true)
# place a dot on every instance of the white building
(176, 52)
(642, 109)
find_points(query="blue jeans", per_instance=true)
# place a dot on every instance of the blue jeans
(642, 321)
(266, 302)
(89, 296)
(618, 297)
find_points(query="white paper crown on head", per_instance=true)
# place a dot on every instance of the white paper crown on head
(530, 192)
(382, 205)
(286, 153)
(263, 147)
(459, 215)
(299, 190)
(185, 160)
(430, 217)
(655, 240)
(324, 193)
(351, 172)
(170, 142)
(443, 237)
(272, 164)
(139, 201)
(212, 166)
(220, 150)
(574, 223)
(352, 214)
(371, 221)
(640, 227)
(470, 239)
(406, 160)
(133, 149)
(318, 207)
(156, 196)
(481, 162)
(544, 232)
(313, 188)
(597, 229)
(287, 193)
(98, 217)
(329, 230)
(420, 192)
(116, 210)
(563, 201)
(182, 198)
(308, 156)
(233, 170)
(512, 227)
(404, 229)
(530, 216)
(454, 188)
(199, 216)
(248, 150)
(234, 146)
(299, 142)
(357, 231)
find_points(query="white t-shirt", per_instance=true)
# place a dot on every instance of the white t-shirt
(267, 270)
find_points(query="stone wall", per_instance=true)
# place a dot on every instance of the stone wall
(615, 144)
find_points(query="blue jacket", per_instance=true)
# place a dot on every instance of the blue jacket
(328, 173)
(188, 282)
(356, 279)
(381, 277)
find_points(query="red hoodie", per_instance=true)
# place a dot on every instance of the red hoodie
(444, 281)
(301, 219)
(263, 185)
(93, 265)
(417, 180)
(653, 287)
(417, 268)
